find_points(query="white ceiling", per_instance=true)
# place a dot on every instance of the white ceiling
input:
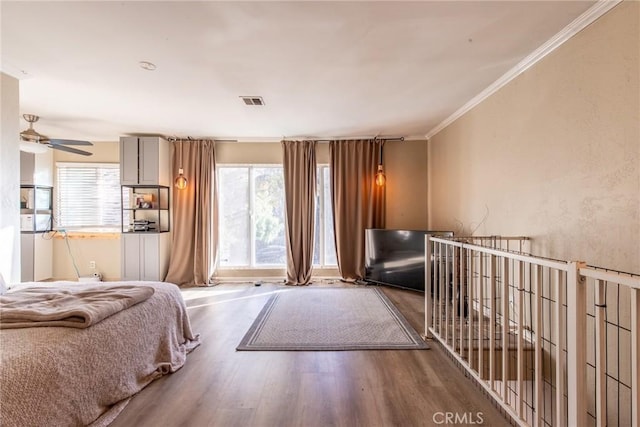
(324, 69)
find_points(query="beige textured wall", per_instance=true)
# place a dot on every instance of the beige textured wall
(406, 172)
(104, 250)
(555, 154)
(248, 153)
(259, 153)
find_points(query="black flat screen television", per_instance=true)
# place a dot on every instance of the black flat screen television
(396, 257)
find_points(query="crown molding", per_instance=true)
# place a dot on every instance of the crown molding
(577, 25)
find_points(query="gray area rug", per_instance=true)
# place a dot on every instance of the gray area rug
(330, 319)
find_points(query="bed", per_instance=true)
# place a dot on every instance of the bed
(77, 376)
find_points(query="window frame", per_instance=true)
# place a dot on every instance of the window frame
(252, 225)
(320, 202)
(96, 228)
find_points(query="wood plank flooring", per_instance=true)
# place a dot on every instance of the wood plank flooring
(219, 386)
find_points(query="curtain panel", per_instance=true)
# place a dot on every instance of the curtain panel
(299, 165)
(357, 202)
(194, 245)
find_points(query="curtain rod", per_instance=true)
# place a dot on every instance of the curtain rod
(190, 139)
(384, 139)
(187, 139)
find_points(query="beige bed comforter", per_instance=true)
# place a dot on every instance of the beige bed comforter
(75, 307)
(59, 376)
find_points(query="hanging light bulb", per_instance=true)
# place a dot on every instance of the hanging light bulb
(380, 178)
(181, 180)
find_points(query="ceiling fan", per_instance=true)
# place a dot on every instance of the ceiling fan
(34, 142)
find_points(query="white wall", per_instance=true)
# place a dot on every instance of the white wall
(555, 154)
(9, 179)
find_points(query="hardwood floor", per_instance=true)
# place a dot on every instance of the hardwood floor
(219, 386)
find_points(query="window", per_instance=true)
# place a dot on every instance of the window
(251, 209)
(252, 224)
(87, 195)
(324, 253)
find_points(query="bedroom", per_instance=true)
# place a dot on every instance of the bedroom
(565, 133)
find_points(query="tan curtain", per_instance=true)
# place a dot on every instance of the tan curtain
(358, 203)
(194, 244)
(299, 164)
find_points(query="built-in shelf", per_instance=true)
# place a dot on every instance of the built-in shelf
(145, 209)
(36, 208)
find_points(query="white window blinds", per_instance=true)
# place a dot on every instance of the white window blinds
(87, 195)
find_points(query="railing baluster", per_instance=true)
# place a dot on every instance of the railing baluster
(428, 287)
(447, 278)
(601, 354)
(635, 354)
(492, 319)
(436, 287)
(440, 288)
(504, 272)
(454, 295)
(560, 327)
(481, 316)
(471, 294)
(520, 354)
(463, 289)
(539, 384)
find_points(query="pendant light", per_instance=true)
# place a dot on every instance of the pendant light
(181, 180)
(380, 178)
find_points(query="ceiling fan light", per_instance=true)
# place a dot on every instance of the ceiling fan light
(32, 147)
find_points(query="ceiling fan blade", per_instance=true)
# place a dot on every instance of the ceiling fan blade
(71, 150)
(56, 141)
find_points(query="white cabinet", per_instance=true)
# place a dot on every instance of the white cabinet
(144, 161)
(36, 169)
(36, 255)
(145, 175)
(145, 256)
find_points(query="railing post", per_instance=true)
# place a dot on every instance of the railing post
(601, 353)
(520, 331)
(428, 286)
(635, 353)
(492, 320)
(538, 386)
(504, 273)
(576, 345)
(560, 332)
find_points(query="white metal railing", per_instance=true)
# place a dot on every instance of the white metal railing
(519, 325)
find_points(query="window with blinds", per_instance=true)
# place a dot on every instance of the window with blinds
(87, 195)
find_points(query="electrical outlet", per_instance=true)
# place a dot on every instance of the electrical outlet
(92, 264)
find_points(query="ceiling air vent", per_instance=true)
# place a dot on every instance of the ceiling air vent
(252, 100)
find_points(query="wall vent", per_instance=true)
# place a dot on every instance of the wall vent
(252, 100)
